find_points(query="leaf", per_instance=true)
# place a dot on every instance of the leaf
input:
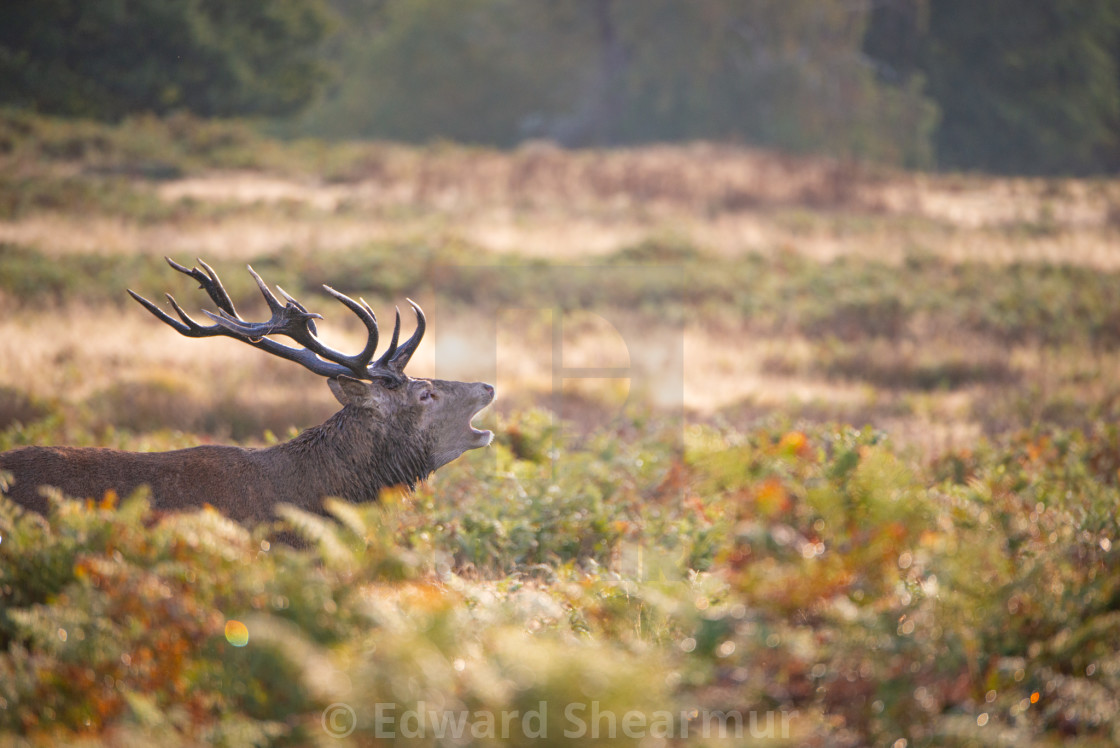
(320, 531)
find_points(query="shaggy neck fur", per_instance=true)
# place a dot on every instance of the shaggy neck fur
(339, 457)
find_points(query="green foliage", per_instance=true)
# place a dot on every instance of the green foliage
(1021, 88)
(850, 299)
(1040, 95)
(581, 508)
(784, 74)
(817, 574)
(29, 276)
(21, 196)
(996, 86)
(114, 620)
(821, 573)
(476, 65)
(168, 401)
(143, 146)
(781, 74)
(212, 58)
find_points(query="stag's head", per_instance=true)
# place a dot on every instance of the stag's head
(435, 413)
(438, 410)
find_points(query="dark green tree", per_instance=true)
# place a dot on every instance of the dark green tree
(109, 58)
(476, 71)
(783, 73)
(779, 73)
(1024, 86)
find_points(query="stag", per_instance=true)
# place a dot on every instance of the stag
(392, 430)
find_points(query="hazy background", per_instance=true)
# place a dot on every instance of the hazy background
(875, 244)
(899, 209)
(1003, 85)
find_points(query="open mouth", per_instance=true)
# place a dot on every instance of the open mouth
(484, 436)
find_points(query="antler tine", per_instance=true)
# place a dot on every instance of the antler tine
(369, 319)
(162, 315)
(187, 327)
(274, 304)
(401, 358)
(194, 329)
(385, 362)
(291, 319)
(228, 323)
(207, 281)
(302, 308)
(296, 322)
(252, 331)
(276, 307)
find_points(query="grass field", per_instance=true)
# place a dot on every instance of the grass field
(879, 506)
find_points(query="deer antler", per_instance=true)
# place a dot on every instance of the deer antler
(294, 321)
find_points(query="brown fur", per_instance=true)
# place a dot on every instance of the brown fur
(384, 436)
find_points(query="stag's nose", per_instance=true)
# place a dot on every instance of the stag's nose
(488, 388)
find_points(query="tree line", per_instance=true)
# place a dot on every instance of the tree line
(1014, 86)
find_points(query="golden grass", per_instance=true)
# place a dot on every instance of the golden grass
(73, 355)
(656, 183)
(241, 238)
(542, 202)
(539, 201)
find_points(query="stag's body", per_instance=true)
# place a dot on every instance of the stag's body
(185, 477)
(392, 431)
(337, 458)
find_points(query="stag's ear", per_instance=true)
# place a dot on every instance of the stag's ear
(350, 391)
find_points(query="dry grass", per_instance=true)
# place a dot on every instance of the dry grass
(502, 233)
(79, 357)
(541, 202)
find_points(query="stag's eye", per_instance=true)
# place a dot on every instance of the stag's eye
(427, 396)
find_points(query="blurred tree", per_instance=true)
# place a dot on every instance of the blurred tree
(896, 33)
(108, 58)
(785, 73)
(1023, 87)
(598, 106)
(478, 71)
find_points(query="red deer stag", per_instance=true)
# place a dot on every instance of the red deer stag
(393, 430)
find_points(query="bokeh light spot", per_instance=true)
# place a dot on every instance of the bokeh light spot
(237, 633)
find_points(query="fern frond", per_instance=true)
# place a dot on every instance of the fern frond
(320, 531)
(351, 518)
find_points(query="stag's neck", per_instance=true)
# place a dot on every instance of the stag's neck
(348, 456)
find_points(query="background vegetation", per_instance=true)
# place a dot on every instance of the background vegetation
(1004, 86)
(879, 507)
(888, 513)
(107, 60)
